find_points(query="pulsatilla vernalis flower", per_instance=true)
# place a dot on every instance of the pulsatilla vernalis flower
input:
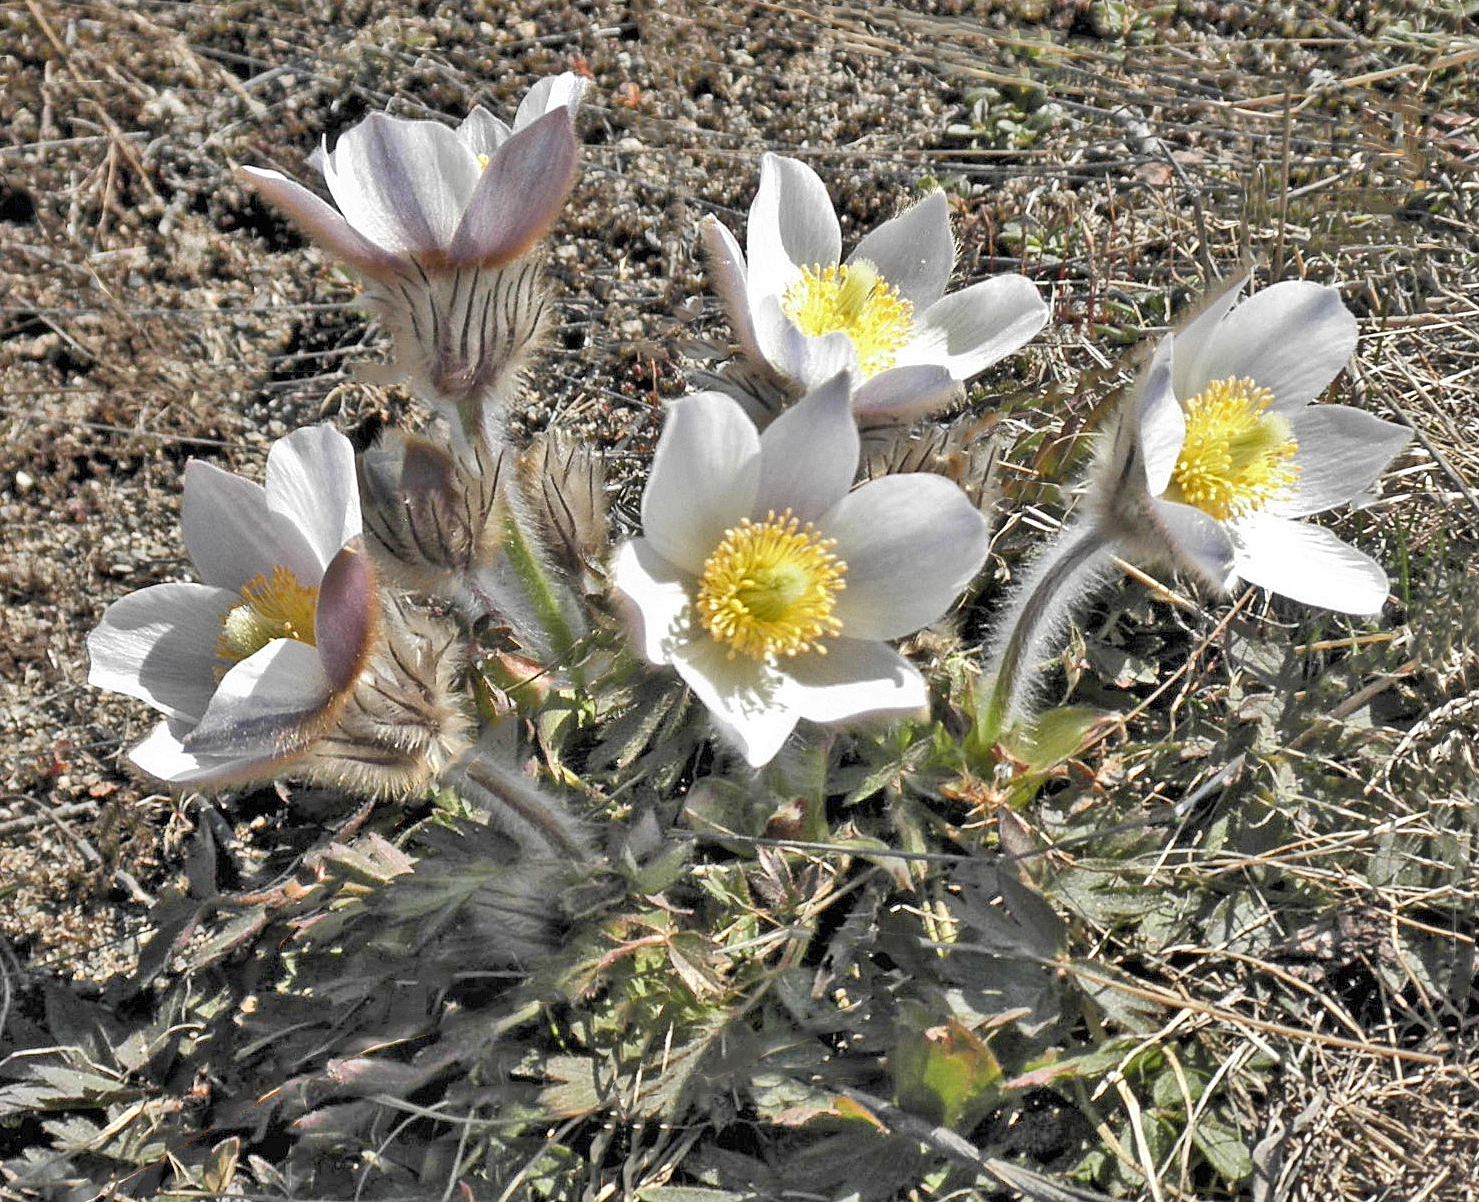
(883, 314)
(440, 222)
(1222, 452)
(770, 586)
(250, 666)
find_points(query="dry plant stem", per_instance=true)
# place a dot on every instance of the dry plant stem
(1059, 578)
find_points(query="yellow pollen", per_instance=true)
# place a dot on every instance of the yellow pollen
(1237, 456)
(276, 608)
(483, 161)
(858, 301)
(769, 588)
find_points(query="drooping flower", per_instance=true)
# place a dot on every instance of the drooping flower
(1222, 452)
(249, 665)
(771, 587)
(440, 222)
(882, 315)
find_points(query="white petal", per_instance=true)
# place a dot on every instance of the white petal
(159, 645)
(550, 93)
(1161, 425)
(321, 222)
(482, 133)
(403, 184)
(1309, 564)
(232, 536)
(263, 703)
(660, 594)
(792, 225)
(727, 270)
(311, 483)
(809, 455)
(808, 359)
(1341, 453)
(743, 696)
(1196, 542)
(854, 677)
(911, 543)
(703, 478)
(970, 330)
(1292, 339)
(163, 755)
(913, 251)
(901, 394)
(1195, 335)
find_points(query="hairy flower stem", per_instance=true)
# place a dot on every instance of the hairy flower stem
(533, 817)
(541, 592)
(1060, 577)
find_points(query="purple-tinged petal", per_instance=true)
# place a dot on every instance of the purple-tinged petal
(970, 330)
(1160, 422)
(703, 478)
(809, 455)
(231, 534)
(159, 645)
(1309, 564)
(347, 615)
(311, 483)
(163, 755)
(403, 184)
(854, 677)
(792, 225)
(263, 705)
(902, 394)
(1292, 338)
(1341, 453)
(659, 592)
(1195, 542)
(911, 543)
(727, 270)
(321, 222)
(742, 696)
(913, 251)
(520, 195)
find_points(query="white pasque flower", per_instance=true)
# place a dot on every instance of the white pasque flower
(249, 666)
(437, 219)
(883, 314)
(771, 585)
(1222, 451)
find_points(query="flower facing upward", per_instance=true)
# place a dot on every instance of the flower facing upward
(477, 196)
(1222, 451)
(248, 666)
(883, 314)
(770, 586)
(440, 222)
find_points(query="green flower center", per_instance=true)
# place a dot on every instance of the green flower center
(770, 587)
(278, 607)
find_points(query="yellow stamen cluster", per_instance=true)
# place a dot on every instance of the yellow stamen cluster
(275, 608)
(483, 161)
(770, 587)
(858, 301)
(1237, 456)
